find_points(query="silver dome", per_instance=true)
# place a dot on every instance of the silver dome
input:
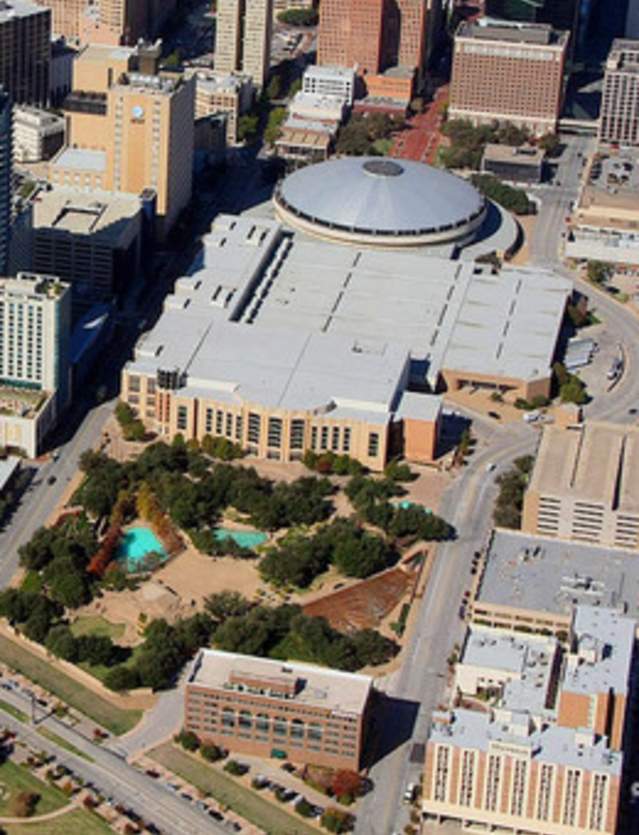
(374, 196)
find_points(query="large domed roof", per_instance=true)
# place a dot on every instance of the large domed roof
(360, 198)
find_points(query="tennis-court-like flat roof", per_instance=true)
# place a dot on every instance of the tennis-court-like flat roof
(296, 323)
(552, 576)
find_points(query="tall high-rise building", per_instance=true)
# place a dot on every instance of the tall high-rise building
(25, 51)
(135, 129)
(35, 326)
(243, 38)
(375, 35)
(619, 114)
(6, 157)
(351, 34)
(112, 22)
(561, 14)
(509, 72)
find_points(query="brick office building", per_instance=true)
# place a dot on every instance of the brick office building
(509, 73)
(278, 709)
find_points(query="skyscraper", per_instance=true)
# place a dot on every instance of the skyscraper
(619, 115)
(112, 22)
(129, 130)
(243, 38)
(375, 35)
(508, 72)
(25, 51)
(5, 179)
(35, 326)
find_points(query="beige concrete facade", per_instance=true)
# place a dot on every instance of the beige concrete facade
(514, 387)
(504, 789)
(525, 65)
(583, 486)
(144, 124)
(273, 434)
(266, 708)
(243, 38)
(218, 93)
(112, 22)
(619, 113)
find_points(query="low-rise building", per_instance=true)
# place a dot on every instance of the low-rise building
(37, 134)
(603, 224)
(227, 93)
(330, 81)
(585, 485)
(305, 141)
(287, 710)
(519, 165)
(91, 239)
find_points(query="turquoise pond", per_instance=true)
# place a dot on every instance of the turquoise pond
(136, 544)
(246, 539)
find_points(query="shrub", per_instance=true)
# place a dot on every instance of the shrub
(334, 820)
(188, 740)
(211, 753)
(23, 804)
(235, 769)
(304, 808)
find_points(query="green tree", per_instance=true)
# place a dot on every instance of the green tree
(223, 605)
(122, 678)
(61, 642)
(274, 88)
(274, 125)
(599, 272)
(188, 740)
(247, 126)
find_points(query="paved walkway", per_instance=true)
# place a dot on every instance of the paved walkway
(70, 807)
(421, 139)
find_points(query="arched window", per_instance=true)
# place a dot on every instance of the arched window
(297, 729)
(228, 717)
(246, 719)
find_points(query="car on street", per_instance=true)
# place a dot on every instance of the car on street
(51, 480)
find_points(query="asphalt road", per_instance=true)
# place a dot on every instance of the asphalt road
(114, 777)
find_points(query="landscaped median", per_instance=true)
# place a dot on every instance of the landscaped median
(245, 802)
(69, 690)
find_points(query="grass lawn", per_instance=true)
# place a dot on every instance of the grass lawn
(115, 719)
(16, 778)
(274, 820)
(18, 714)
(77, 822)
(63, 743)
(96, 625)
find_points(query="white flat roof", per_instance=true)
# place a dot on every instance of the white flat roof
(316, 686)
(80, 159)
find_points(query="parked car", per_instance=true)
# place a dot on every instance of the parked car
(409, 793)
